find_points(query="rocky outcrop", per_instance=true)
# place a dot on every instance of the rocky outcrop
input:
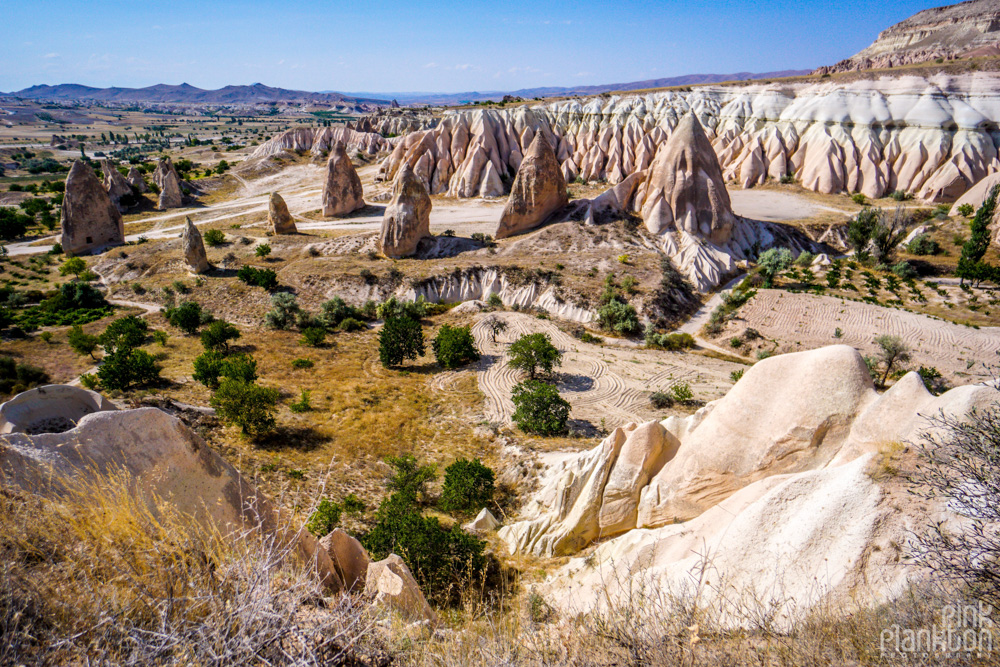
(407, 218)
(279, 220)
(390, 582)
(89, 218)
(684, 189)
(116, 185)
(769, 483)
(931, 136)
(164, 461)
(483, 523)
(318, 141)
(194, 248)
(136, 180)
(393, 122)
(539, 190)
(349, 558)
(53, 408)
(167, 179)
(342, 191)
(967, 29)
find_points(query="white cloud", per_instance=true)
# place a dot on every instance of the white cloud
(51, 55)
(430, 65)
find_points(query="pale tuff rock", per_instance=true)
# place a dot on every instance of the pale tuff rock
(394, 122)
(52, 408)
(684, 189)
(115, 184)
(162, 457)
(194, 248)
(407, 218)
(342, 192)
(89, 219)
(164, 165)
(539, 190)
(319, 140)
(963, 30)
(975, 198)
(136, 180)
(770, 482)
(390, 582)
(349, 558)
(279, 220)
(924, 135)
(166, 177)
(484, 521)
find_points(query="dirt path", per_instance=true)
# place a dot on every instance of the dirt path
(602, 383)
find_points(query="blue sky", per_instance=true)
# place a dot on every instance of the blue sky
(391, 46)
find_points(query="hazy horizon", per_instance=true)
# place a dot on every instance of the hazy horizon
(445, 47)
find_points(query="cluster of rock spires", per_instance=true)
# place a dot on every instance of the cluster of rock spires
(964, 30)
(57, 433)
(769, 483)
(934, 137)
(318, 141)
(90, 219)
(394, 122)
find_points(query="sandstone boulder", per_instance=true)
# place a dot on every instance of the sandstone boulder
(685, 189)
(407, 218)
(162, 458)
(90, 219)
(349, 558)
(116, 185)
(390, 582)
(194, 248)
(539, 190)
(136, 180)
(279, 220)
(342, 192)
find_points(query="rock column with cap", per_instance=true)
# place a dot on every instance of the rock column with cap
(90, 219)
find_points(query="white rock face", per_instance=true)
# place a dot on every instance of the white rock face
(319, 140)
(390, 582)
(934, 137)
(483, 523)
(771, 479)
(52, 408)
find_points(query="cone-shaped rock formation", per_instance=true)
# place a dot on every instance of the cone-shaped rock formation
(407, 218)
(89, 218)
(194, 248)
(539, 190)
(342, 193)
(279, 220)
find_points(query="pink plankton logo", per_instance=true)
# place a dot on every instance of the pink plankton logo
(964, 630)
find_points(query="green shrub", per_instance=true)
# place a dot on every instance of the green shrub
(619, 317)
(125, 333)
(409, 478)
(325, 518)
(300, 363)
(314, 336)
(265, 278)
(904, 270)
(454, 346)
(900, 195)
(494, 302)
(188, 317)
(208, 368)
(214, 237)
(534, 354)
(922, 244)
(247, 405)
(125, 368)
(737, 374)
(859, 199)
(661, 400)
(670, 342)
(468, 486)
(218, 335)
(73, 266)
(681, 392)
(539, 408)
(353, 505)
(966, 210)
(772, 262)
(81, 342)
(303, 404)
(393, 307)
(400, 338)
(349, 324)
(263, 250)
(335, 311)
(241, 367)
(284, 311)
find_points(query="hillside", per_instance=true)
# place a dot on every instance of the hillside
(185, 94)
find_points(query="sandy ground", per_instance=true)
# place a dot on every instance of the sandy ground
(805, 321)
(775, 206)
(608, 383)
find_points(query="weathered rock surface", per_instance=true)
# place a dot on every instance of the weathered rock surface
(136, 180)
(342, 192)
(963, 30)
(771, 482)
(170, 192)
(539, 190)
(89, 218)
(50, 409)
(161, 456)
(115, 184)
(484, 521)
(407, 218)
(390, 582)
(394, 122)
(194, 248)
(684, 189)
(349, 558)
(279, 220)
(318, 140)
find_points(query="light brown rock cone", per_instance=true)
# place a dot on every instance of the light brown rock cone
(136, 180)
(89, 218)
(279, 220)
(170, 192)
(194, 248)
(115, 184)
(685, 189)
(407, 218)
(539, 190)
(342, 193)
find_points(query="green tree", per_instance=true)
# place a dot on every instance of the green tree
(73, 266)
(284, 311)
(81, 342)
(970, 264)
(619, 317)
(534, 354)
(772, 262)
(454, 346)
(409, 478)
(242, 367)
(125, 367)
(263, 250)
(314, 336)
(468, 486)
(400, 338)
(125, 333)
(539, 408)
(247, 405)
(218, 335)
(859, 231)
(188, 317)
(891, 351)
(208, 368)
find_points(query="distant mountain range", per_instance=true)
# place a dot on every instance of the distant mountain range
(186, 94)
(259, 93)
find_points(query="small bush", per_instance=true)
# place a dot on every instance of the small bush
(218, 335)
(247, 405)
(494, 301)
(82, 343)
(737, 374)
(188, 317)
(661, 400)
(265, 278)
(539, 408)
(284, 311)
(670, 342)
(214, 237)
(349, 324)
(301, 363)
(922, 244)
(681, 392)
(904, 270)
(314, 336)
(454, 346)
(899, 195)
(966, 210)
(325, 518)
(303, 404)
(859, 199)
(263, 250)
(400, 338)
(468, 486)
(619, 317)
